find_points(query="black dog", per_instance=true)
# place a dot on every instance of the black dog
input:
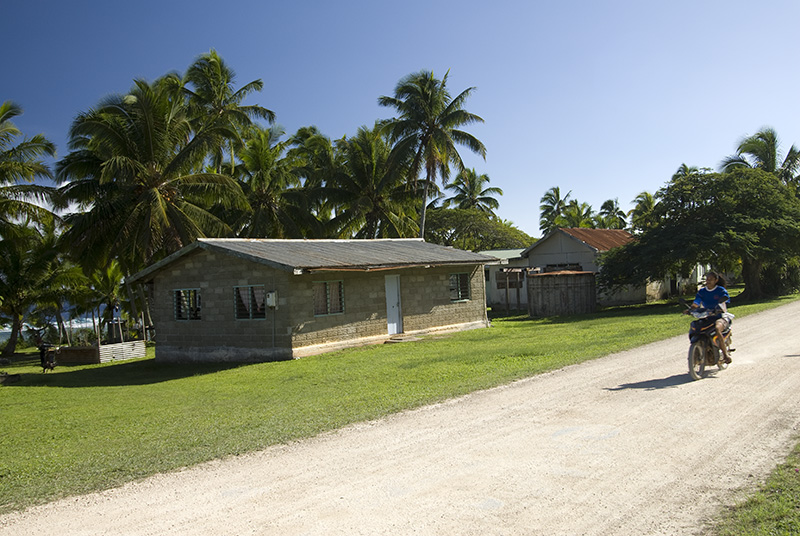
(47, 357)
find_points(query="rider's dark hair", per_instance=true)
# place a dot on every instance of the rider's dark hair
(720, 280)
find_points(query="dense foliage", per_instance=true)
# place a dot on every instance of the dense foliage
(747, 215)
(151, 170)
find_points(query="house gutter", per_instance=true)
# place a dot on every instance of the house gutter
(301, 271)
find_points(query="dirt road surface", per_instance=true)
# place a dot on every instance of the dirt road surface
(623, 445)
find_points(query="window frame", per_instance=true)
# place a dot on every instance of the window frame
(326, 285)
(460, 287)
(190, 308)
(251, 302)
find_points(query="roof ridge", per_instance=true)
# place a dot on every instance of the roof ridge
(282, 240)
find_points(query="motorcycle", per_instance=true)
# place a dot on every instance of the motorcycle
(704, 350)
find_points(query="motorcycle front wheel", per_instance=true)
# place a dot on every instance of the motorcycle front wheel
(697, 360)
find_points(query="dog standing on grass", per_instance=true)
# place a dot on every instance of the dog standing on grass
(47, 356)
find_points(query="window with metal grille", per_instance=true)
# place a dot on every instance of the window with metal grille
(187, 304)
(328, 297)
(249, 302)
(459, 287)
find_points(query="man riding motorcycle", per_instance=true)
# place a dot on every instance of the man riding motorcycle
(714, 296)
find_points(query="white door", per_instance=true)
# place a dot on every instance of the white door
(394, 315)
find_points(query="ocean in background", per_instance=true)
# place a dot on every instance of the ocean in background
(73, 325)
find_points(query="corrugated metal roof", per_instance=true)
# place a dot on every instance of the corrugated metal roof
(320, 255)
(504, 254)
(600, 239)
(597, 239)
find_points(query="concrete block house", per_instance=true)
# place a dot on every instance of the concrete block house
(260, 299)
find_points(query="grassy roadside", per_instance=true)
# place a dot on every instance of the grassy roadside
(86, 428)
(772, 510)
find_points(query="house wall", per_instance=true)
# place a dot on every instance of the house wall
(218, 335)
(292, 329)
(628, 295)
(425, 304)
(502, 298)
(658, 290)
(561, 249)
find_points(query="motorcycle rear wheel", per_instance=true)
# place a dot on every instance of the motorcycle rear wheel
(697, 360)
(720, 360)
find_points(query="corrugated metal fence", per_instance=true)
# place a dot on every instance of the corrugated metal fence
(121, 351)
(85, 355)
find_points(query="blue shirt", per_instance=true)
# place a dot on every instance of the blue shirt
(711, 298)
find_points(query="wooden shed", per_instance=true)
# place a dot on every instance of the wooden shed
(561, 293)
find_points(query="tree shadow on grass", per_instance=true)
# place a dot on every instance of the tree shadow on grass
(653, 385)
(135, 372)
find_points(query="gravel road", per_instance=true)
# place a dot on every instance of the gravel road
(623, 445)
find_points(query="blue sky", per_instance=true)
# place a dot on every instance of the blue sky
(603, 98)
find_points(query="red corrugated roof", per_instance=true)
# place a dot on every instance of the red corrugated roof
(600, 239)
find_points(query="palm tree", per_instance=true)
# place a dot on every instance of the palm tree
(643, 213)
(428, 127)
(21, 162)
(132, 168)
(215, 104)
(762, 151)
(552, 207)
(577, 215)
(31, 274)
(317, 161)
(469, 191)
(687, 171)
(106, 291)
(611, 216)
(273, 190)
(372, 198)
(63, 283)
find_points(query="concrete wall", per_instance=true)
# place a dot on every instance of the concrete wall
(425, 305)
(218, 335)
(628, 295)
(292, 329)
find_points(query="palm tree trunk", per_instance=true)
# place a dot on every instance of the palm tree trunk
(233, 166)
(62, 328)
(430, 174)
(11, 345)
(147, 320)
(424, 210)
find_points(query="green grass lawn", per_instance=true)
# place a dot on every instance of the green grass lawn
(774, 510)
(84, 428)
